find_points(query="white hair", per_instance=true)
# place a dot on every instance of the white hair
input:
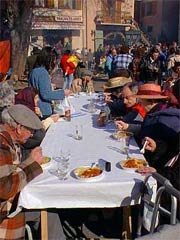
(6, 118)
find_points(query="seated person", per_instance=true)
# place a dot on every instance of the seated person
(19, 122)
(77, 85)
(114, 104)
(135, 112)
(7, 94)
(160, 124)
(29, 97)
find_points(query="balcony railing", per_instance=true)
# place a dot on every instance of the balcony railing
(115, 19)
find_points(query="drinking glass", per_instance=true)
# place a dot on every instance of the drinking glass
(124, 141)
(62, 164)
(91, 107)
(78, 132)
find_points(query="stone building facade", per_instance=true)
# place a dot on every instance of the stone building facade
(81, 23)
(160, 19)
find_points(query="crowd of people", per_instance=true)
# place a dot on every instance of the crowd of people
(141, 96)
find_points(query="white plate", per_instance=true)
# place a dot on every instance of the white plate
(121, 163)
(44, 165)
(115, 134)
(80, 169)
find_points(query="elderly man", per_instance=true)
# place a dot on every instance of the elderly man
(19, 122)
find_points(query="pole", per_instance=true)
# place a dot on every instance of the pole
(86, 26)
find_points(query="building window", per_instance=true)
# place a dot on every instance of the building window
(70, 4)
(149, 29)
(148, 9)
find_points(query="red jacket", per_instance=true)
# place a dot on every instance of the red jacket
(63, 62)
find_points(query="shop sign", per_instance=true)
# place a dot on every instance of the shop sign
(55, 25)
(68, 18)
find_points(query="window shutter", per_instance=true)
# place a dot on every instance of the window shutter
(154, 8)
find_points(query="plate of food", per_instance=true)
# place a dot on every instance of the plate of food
(132, 164)
(46, 162)
(87, 173)
(121, 134)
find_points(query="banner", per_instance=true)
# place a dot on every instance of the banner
(4, 56)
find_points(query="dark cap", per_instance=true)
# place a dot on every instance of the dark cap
(25, 116)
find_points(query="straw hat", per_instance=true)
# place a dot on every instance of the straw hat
(117, 82)
(150, 91)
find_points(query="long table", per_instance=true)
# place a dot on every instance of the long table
(114, 189)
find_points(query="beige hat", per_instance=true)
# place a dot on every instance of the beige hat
(150, 91)
(25, 116)
(117, 82)
(78, 53)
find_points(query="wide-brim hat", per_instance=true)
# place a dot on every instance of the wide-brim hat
(150, 91)
(117, 82)
(25, 116)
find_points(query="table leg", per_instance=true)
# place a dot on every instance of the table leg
(127, 223)
(44, 225)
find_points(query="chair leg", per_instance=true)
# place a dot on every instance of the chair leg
(127, 227)
(29, 232)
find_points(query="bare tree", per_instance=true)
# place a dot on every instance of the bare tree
(18, 13)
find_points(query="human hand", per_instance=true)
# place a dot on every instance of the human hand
(146, 170)
(38, 111)
(107, 97)
(150, 145)
(67, 92)
(55, 117)
(36, 155)
(65, 74)
(121, 125)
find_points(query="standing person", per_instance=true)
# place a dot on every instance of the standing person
(19, 122)
(90, 58)
(150, 67)
(63, 65)
(40, 80)
(121, 62)
(108, 64)
(31, 60)
(72, 63)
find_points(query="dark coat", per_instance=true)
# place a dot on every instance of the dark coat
(164, 127)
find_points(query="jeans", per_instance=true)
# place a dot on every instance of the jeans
(68, 81)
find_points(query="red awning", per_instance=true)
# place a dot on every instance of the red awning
(4, 56)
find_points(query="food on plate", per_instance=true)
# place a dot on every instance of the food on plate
(46, 160)
(134, 163)
(122, 134)
(88, 172)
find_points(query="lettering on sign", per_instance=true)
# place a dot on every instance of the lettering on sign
(68, 18)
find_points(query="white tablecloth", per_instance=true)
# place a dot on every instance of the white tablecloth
(116, 188)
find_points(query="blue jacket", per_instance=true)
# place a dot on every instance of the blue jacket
(39, 79)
